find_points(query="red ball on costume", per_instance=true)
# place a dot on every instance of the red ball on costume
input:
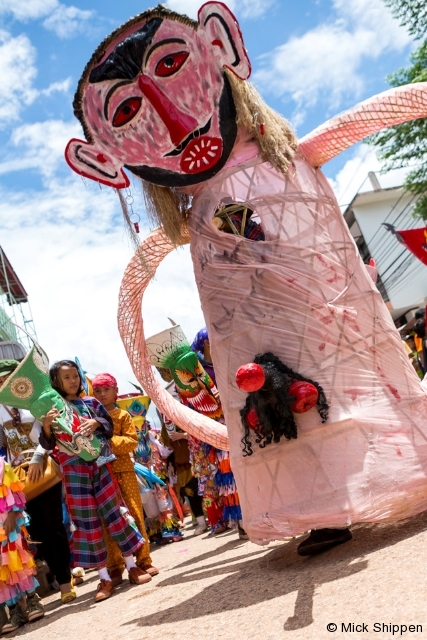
(250, 377)
(305, 394)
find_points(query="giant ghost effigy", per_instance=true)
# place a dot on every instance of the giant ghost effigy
(167, 98)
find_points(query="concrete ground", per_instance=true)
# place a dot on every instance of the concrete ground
(223, 588)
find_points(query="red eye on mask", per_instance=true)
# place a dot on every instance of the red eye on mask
(126, 111)
(171, 64)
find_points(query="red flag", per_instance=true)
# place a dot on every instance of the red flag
(416, 241)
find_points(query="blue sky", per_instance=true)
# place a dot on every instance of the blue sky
(311, 59)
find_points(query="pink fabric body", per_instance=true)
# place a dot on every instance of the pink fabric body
(305, 295)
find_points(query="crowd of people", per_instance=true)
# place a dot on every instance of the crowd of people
(73, 512)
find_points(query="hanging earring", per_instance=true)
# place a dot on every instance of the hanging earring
(130, 201)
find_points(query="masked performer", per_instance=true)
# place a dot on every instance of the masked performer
(209, 465)
(168, 99)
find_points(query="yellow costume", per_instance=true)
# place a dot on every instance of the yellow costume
(123, 443)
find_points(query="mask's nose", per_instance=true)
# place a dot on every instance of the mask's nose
(179, 124)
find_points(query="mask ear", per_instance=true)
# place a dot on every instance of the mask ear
(93, 162)
(221, 30)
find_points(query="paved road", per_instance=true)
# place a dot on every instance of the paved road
(226, 589)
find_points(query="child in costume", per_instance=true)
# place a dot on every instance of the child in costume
(91, 490)
(123, 443)
(17, 566)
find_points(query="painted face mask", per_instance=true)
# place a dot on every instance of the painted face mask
(155, 99)
(195, 387)
(170, 351)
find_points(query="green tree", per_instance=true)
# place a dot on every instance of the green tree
(406, 144)
(411, 14)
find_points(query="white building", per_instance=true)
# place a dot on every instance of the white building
(402, 277)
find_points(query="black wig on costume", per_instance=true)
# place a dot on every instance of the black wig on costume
(272, 404)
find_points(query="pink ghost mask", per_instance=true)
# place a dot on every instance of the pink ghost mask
(159, 103)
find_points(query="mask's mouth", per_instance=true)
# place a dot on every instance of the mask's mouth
(194, 135)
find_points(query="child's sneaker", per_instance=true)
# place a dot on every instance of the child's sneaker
(35, 609)
(17, 619)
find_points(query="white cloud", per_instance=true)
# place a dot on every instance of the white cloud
(41, 146)
(67, 21)
(18, 74)
(242, 9)
(27, 9)
(63, 86)
(18, 71)
(63, 20)
(68, 246)
(325, 62)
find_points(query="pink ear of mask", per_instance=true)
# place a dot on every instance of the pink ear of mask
(91, 162)
(223, 32)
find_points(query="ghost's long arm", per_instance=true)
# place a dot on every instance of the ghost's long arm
(392, 107)
(136, 279)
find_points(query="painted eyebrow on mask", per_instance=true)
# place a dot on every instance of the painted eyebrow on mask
(124, 82)
(161, 43)
(110, 93)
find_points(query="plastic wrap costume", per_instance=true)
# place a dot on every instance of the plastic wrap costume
(168, 99)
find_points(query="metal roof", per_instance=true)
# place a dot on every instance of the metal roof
(9, 281)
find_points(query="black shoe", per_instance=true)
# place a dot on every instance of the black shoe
(17, 619)
(242, 533)
(323, 539)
